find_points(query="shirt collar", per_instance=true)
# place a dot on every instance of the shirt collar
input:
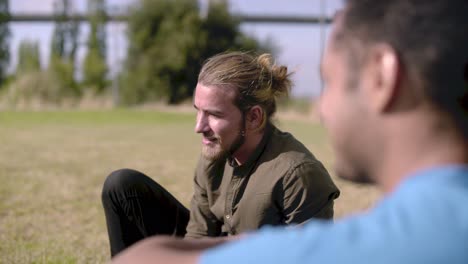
(257, 153)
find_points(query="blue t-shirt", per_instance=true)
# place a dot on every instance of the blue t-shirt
(425, 220)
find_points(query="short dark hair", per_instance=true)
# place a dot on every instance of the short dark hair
(430, 37)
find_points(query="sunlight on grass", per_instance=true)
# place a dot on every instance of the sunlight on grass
(54, 163)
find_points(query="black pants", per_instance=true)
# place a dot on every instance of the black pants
(137, 207)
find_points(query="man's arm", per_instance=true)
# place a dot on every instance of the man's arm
(308, 192)
(203, 222)
(165, 249)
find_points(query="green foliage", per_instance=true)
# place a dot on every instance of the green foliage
(63, 50)
(168, 43)
(222, 31)
(34, 89)
(4, 39)
(65, 36)
(163, 37)
(28, 57)
(295, 105)
(62, 72)
(94, 71)
(95, 67)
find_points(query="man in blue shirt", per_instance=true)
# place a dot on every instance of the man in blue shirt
(396, 109)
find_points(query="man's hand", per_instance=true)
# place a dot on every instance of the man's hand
(163, 249)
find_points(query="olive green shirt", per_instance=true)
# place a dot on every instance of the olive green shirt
(281, 183)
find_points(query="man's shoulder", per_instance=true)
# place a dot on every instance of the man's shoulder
(440, 185)
(284, 147)
(439, 194)
(284, 154)
(451, 179)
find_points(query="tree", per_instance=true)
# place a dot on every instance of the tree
(95, 68)
(163, 36)
(168, 43)
(28, 57)
(223, 33)
(31, 85)
(65, 36)
(64, 46)
(4, 39)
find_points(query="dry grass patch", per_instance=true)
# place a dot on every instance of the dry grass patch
(53, 164)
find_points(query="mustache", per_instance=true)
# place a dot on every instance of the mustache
(210, 136)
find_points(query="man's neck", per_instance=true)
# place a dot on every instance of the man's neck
(417, 148)
(252, 141)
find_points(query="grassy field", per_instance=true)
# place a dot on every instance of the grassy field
(53, 164)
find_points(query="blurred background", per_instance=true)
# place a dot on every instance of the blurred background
(91, 86)
(129, 52)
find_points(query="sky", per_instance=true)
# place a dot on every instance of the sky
(299, 45)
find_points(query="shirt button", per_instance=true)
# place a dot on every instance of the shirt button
(228, 216)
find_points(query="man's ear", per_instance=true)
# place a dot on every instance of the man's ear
(382, 77)
(254, 118)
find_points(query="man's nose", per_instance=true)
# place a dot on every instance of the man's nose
(201, 124)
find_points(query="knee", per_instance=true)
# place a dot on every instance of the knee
(121, 180)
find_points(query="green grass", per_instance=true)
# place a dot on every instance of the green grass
(93, 117)
(53, 164)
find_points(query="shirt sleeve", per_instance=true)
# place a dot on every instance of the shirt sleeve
(202, 221)
(308, 192)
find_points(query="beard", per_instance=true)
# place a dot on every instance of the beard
(216, 151)
(351, 170)
(360, 177)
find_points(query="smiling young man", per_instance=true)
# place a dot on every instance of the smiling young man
(250, 173)
(396, 108)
